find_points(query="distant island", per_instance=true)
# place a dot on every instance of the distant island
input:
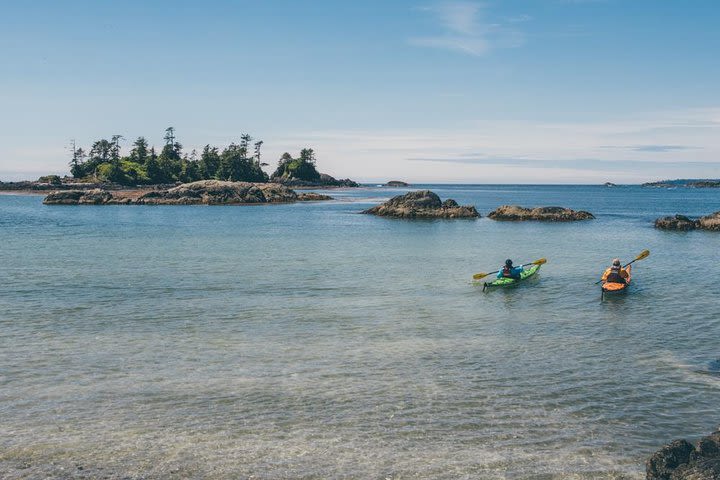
(104, 165)
(686, 183)
(396, 183)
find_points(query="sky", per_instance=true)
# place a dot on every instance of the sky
(513, 91)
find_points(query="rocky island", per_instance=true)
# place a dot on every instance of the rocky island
(543, 214)
(422, 204)
(684, 182)
(684, 223)
(681, 460)
(396, 183)
(203, 192)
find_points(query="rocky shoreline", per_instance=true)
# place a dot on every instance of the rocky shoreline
(681, 460)
(204, 192)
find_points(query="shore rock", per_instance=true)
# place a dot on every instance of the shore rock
(396, 183)
(78, 197)
(325, 180)
(677, 222)
(422, 204)
(312, 197)
(681, 222)
(217, 192)
(205, 192)
(680, 460)
(710, 222)
(545, 214)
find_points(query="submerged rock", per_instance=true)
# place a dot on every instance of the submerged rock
(680, 460)
(545, 214)
(677, 222)
(422, 204)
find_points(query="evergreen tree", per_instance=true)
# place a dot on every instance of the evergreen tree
(139, 153)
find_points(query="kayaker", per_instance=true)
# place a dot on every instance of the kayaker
(508, 271)
(615, 274)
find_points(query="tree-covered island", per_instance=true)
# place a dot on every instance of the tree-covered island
(143, 165)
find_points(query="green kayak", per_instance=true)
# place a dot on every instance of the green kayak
(507, 282)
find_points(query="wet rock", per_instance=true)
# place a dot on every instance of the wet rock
(545, 214)
(710, 222)
(677, 222)
(422, 204)
(680, 460)
(312, 197)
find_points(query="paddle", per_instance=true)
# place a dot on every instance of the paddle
(643, 254)
(478, 276)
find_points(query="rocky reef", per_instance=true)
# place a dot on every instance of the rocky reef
(396, 183)
(422, 204)
(684, 223)
(544, 214)
(680, 460)
(204, 192)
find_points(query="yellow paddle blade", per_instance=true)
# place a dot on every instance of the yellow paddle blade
(478, 276)
(541, 261)
(643, 254)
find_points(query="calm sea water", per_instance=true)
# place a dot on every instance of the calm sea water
(307, 341)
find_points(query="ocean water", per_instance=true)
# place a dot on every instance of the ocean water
(308, 341)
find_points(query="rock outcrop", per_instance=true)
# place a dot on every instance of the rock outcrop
(676, 222)
(312, 197)
(204, 192)
(396, 183)
(680, 460)
(710, 222)
(422, 204)
(78, 197)
(681, 222)
(324, 180)
(544, 214)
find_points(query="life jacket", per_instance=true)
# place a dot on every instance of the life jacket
(507, 272)
(614, 276)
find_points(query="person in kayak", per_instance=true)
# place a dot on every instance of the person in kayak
(615, 274)
(508, 271)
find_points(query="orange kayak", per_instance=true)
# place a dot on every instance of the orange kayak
(615, 287)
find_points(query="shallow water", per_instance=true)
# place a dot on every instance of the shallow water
(307, 341)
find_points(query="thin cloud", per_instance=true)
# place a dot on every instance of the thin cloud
(465, 28)
(652, 148)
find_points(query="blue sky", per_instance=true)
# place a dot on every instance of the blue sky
(548, 91)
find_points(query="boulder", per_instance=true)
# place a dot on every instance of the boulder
(710, 222)
(680, 460)
(545, 214)
(312, 197)
(422, 204)
(677, 222)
